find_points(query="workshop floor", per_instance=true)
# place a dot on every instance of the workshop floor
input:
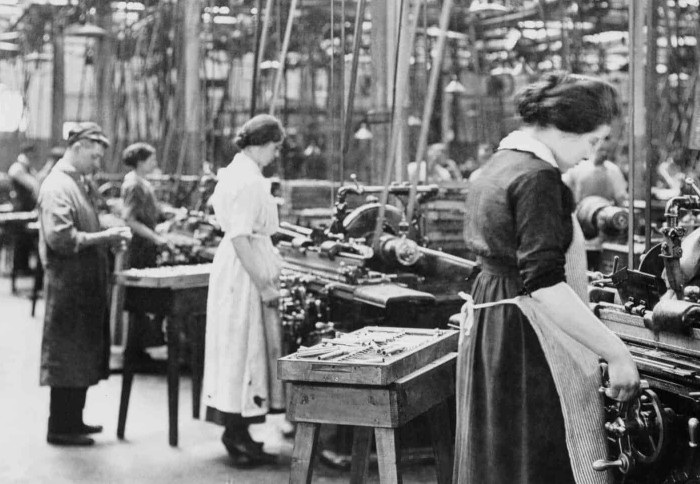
(144, 456)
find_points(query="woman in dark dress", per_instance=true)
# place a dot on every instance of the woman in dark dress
(141, 212)
(511, 426)
(140, 206)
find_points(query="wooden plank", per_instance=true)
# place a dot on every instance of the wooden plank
(388, 406)
(422, 390)
(343, 405)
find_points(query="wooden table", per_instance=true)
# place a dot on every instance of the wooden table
(378, 410)
(182, 301)
(14, 226)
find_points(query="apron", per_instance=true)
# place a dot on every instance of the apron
(243, 337)
(575, 370)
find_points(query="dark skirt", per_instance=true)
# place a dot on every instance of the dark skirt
(513, 429)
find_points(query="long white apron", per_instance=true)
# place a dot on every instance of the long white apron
(236, 370)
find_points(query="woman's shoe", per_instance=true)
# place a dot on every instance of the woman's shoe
(244, 451)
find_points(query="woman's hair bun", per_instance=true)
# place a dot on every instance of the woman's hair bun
(570, 102)
(259, 130)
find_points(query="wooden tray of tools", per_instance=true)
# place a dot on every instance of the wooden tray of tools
(171, 277)
(373, 355)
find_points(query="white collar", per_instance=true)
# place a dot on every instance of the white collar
(247, 160)
(521, 141)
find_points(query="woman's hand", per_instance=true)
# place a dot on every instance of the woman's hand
(624, 378)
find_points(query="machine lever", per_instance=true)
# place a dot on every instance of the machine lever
(693, 424)
(603, 465)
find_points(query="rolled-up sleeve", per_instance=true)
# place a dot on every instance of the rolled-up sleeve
(58, 223)
(133, 198)
(536, 200)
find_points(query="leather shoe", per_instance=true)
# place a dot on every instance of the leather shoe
(69, 439)
(246, 452)
(89, 429)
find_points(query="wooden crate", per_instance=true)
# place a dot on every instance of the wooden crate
(422, 346)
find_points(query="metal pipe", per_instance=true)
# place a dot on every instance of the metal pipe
(283, 55)
(429, 104)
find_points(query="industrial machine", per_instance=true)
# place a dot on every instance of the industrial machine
(656, 311)
(344, 277)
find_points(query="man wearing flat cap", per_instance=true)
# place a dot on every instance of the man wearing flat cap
(73, 249)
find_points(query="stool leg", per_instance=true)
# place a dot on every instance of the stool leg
(441, 436)
(305, 442)
(389, 455)
(173, 333)
(361, 445)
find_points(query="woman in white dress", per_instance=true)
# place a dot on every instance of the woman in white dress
(243, 330)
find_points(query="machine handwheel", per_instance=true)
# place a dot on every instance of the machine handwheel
(648, 427)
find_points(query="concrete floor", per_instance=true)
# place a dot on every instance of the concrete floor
(144, 456)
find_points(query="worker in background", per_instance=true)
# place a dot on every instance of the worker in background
(483, 154)
(73, 247)
(140, 210)
(598, 176)
(438, 168)
(55, 154)
(25, 190)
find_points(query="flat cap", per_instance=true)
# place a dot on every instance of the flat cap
(88, 130)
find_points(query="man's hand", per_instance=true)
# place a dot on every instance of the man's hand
(118, 235)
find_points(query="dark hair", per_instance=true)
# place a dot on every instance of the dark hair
(136, 152)
(572, 103)
(259, 130)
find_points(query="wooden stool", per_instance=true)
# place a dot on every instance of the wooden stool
(379, 410)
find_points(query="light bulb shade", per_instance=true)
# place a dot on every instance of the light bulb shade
(363, 134)
(414, 121)
(85, 30)
(455, 87)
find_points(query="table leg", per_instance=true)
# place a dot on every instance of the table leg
(197, 325)
(361, 446)
(173, 324)
(38, 284)
(305, 442)
(127, 378)
(441, 436)
(389, 455)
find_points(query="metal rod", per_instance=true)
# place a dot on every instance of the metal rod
(636, 108)
(428, 106)
(350, 98)
(651, 102)
(260, 52)
(409, 19)
(283, 55)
